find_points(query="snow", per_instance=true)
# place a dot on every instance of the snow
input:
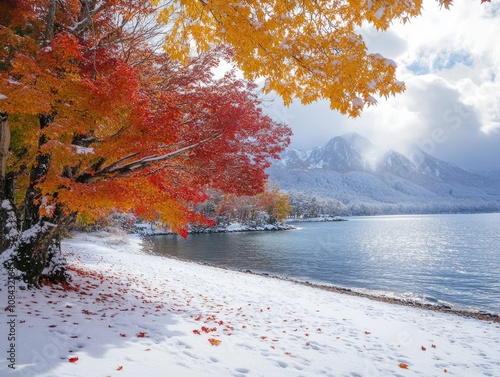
(11, 81)
(151, 229)
(267, 85)
(135, 314)
(358, 102)
(2, 96)
(379, 13)
(83, 150)
(390, 62)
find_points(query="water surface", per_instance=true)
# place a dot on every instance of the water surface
(439, 259)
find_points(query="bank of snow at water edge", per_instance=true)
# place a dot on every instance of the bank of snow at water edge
(133, 314)
(152, 229)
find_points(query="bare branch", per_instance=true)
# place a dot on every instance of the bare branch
(49, 31)
(120, 169)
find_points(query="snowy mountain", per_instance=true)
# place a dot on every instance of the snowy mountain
(351, 169)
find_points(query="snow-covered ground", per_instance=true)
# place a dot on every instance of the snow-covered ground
(133, 314)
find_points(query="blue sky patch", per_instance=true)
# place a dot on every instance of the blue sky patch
(419, 68)
(443, 60)
(448, 59)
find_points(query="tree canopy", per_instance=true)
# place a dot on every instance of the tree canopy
(308, 50)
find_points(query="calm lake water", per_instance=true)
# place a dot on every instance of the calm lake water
(438, 259)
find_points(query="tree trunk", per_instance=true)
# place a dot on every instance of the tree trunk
(35, 253)
(31, 244)
(4, 146)
(7, 220)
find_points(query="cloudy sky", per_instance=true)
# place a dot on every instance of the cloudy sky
(450, 62)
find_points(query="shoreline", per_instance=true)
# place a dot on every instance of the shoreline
(479, 315)
(482, 316)
(142, 228)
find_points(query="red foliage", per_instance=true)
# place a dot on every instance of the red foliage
(131, 130)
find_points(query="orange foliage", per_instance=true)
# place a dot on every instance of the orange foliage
(129, 129)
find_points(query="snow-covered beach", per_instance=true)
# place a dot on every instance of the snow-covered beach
(128, 313)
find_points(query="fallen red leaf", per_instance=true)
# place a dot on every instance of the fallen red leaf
(73, 359)
(367, 332)
(403, 366)
(52, 326)
(197, 332)
(433, 345)
(141, 334)
(423, 348)
(123, 335)
(120, 367)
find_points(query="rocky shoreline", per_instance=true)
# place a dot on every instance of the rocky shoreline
(482, 316)
(147, 230)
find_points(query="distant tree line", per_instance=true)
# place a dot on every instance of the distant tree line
(308, 206)
(304, 205)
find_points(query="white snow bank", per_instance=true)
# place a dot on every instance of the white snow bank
(132, 314)
(151, 229)
(315, 219)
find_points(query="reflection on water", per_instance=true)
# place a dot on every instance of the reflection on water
(439, 258)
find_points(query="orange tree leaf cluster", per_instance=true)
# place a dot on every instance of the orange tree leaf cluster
(308, 50)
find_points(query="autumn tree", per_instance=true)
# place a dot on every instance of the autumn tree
(267, 207)
(95, 117)
(275, 203)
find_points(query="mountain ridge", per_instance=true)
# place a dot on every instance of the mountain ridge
(353, 170)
